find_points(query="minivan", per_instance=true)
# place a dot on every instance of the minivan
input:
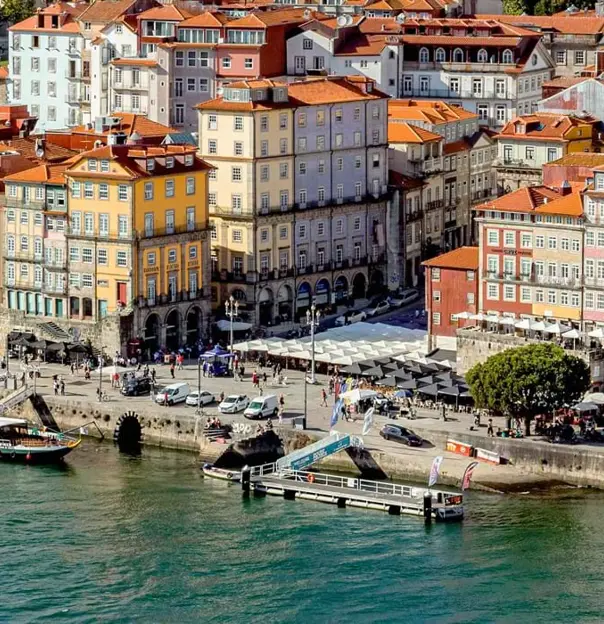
(174, 393)
(262, 407)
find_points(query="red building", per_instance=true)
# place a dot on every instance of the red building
(451, 286)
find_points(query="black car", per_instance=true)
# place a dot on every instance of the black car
(136, 387)
(400, 434)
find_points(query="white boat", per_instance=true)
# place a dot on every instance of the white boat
(221, 473)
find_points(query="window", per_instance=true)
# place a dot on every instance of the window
(307, 44)
(560, 57)
(283, 171)
(436, 318)
(122, 226)
(576, 245)
(540, 242)
(526, 240)
(212, 122)
(238, 148)
(122, 192)
(321, 143)
(101, 257)
(226, 62)
(264, 123)
(579, 57)
(507, 57)
(264, 173)
(104, 224)
(237, 236)
(238, 123)
(190, 186)
(436, 275)
(236, 204)
(493, 237)
(204, 85)
(510, 239)
(509, 293)
(552, 242)
(339, 227)
(493, 292)
(236, 174)
(424, 55)
(122, 259)
(87, 255)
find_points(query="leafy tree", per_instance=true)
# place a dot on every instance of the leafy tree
(515, 7)
(14, 11)
(527, 381)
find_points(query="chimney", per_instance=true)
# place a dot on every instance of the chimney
(565, 188)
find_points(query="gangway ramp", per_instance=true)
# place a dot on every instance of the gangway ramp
(305, 457)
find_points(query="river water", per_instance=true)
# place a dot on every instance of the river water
(110, 538)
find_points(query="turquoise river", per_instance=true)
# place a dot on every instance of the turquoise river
(111, 538)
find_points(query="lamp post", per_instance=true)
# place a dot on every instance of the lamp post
(198, 382)
(231, 307)
(312, 319)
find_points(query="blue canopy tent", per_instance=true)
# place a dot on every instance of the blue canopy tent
(217, 358)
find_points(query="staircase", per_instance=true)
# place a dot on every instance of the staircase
(56, 332)
(15, 398)
(304, 457)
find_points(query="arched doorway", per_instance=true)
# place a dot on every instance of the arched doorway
(359, 286)
(194, 325)
(266, 306)
(173, 330)
(285, 300)
(152, 329)
(376, 282)
(128, 433)
(340, 288)
(322, 289)
(303, 298)
(87, 307)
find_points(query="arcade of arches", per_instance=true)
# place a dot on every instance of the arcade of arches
(173, 328)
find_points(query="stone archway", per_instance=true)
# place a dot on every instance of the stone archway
(194, 325)
(266, 306)
(128, 433)
(376, 282)
(359, 286)
(340, 287)
(285, 301)
(173, 337)
(152, 334)
(303, 298)
(322, 289)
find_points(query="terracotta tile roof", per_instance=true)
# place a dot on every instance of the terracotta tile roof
(568, 206)
(219, 104)
(462, 145)
(255, 84)
(432, 111)
(462, 258)
(252, 20)
(362, 45)
(525, 199)
(207, 19)
(565, 25)
(379, 25)
(542, 126)
(406, 183)
(563, 82)
(133, 160)
(31, 23)
(105, 10)
(401, 132)
(461, 40)
(145, 62)
(51, 174)
(167, 12)
(130, 123)
(26, 146)
(578, 159)
(332, 90)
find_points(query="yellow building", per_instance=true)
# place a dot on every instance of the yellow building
(137, 241)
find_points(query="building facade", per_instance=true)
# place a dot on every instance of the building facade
(298, 199)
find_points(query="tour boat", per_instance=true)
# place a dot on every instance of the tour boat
(220, 473)
(22, 442)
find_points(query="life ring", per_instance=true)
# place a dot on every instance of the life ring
(311, 478)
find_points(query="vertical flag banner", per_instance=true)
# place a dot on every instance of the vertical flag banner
(368, 421)
(467, 476)
(337, 407)
(435, 470)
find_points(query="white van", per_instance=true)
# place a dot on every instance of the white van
(174, 393)
(263, 407)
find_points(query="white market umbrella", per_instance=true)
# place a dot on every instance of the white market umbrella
(572, 334)
(507, 320)
(538, 326)
(478, 317)
(525, 324)
(462, 316)
(237, 326)
(598, 332)
(356, 395)
(557, 328)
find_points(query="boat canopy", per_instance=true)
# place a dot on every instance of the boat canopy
(12, 422)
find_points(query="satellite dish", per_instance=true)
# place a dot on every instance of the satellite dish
(400, 18)
(342, 21)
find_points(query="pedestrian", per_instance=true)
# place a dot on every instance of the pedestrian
(172, 368)
(264, 378)
(444, 412)
(260, 388)
(153, 375)
(62, 384)
(221, 396)
(72, 368)
(490, 428)
(323, 398)
(55, 385)
(280, 415)
(242, 371)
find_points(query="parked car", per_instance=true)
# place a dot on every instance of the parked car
(233, 403)
(378, 308)
(263, 407)
(136, 387)
(351, 316)
(400, 434)
(174, 393)
(403, 297)
(200, 397)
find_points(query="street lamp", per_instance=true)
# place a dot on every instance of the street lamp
(312, 319)
(101, 374)
(231, 307)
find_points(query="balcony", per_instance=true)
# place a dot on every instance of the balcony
(435, 205)
(75, 75)
(482, 195)
(129, 85)
(414, 215)
(103, 236)
(184, 295)
(155, 232)
(73, 98)
(138, 110)
(464, 94)
(23, 256)
(541, 280)
(272, 274)
(55, 289)
(512, 163)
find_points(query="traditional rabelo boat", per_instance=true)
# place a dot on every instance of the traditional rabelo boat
(21, 441)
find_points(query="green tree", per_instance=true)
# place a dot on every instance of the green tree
(514, 7)
(14, 11)
(527, 381)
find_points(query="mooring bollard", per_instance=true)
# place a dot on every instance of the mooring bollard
(245, 481)
(428, 508)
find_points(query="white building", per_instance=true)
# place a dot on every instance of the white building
(45, 64)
